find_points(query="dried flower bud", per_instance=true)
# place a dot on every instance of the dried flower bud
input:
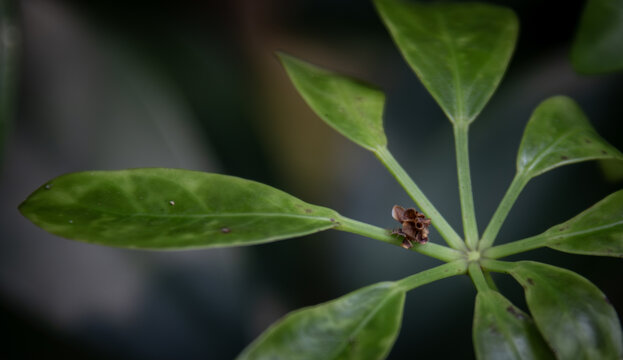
(414, 226)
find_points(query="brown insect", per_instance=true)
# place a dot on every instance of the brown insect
(414, 226)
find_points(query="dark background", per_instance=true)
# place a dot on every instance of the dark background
(195, 84)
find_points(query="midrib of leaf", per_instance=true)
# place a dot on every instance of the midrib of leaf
(583, 232)
(241, 214)
(363, 323)
(456, 76)
(545, 151)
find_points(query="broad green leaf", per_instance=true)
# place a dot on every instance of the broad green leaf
(574, 317)
(596, 231)
(169, 208)
(458, 50)
(349, 106)
(598, 45)
(502, 331)
(361, 325)
(557, 134)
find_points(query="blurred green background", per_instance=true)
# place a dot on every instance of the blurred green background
(195, 85)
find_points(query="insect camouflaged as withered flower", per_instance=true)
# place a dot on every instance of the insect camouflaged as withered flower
(414, 226)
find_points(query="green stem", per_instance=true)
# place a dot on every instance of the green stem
(490, 281)
(515, 247)
(433, 250)
(470, 227)
(457, 267)
(497, 266)
(475, 272)
(438, 221)
(492, 230)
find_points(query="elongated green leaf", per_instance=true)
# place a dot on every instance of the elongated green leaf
(598, 47)
(557, 134)
(459, 51)
(502, 331)
(349, 106)
(169, 208)
(575, 317)
(596, 231)
(361, 325)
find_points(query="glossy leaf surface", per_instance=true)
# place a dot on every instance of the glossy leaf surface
(349, 106)
(361, 325)
(598, 46)
(573, 315)
(557, 134)
(169, 208)
(459, 51)
(502, 331)
(596, 231)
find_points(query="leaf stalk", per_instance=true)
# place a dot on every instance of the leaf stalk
(470, 227)
(438, 221)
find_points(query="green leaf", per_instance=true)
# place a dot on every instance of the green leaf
(361, 325)
(575, 317)
(597, 47)
(459, 51)
(557, 134)
(349, 106)
(169, 208)
(502, 331)
(596, 231)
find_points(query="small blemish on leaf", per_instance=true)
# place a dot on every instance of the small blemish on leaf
(604, 152)
(308, 211)
(564, 157)
(48, 186)
(530, 281)
(225, 230)
(515, 313)
(588, 141)
(563, 228)
(71, 221)
(172, 203)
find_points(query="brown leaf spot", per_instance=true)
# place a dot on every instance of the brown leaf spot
(564, 157)
(308, 211)
(588, 141)
(530, 281)
(604, 152)
(515, 312)
(225, 230)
